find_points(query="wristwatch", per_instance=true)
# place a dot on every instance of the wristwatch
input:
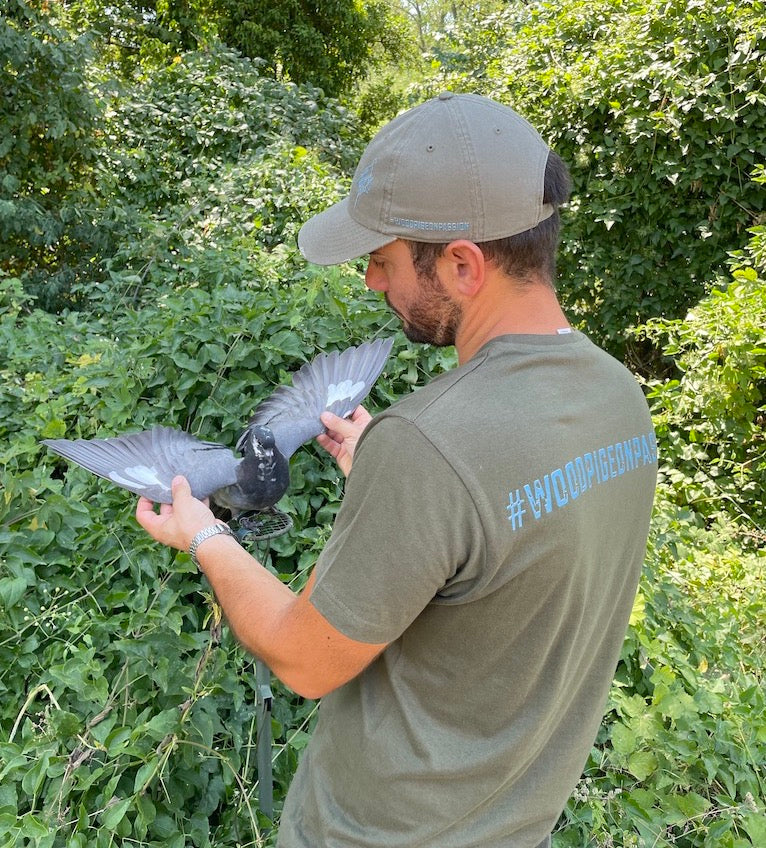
(207, 533)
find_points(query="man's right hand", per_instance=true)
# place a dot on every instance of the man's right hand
(342, 435)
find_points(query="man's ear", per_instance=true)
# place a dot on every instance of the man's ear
(466, 265)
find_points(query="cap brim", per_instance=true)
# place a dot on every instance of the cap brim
(333, 236)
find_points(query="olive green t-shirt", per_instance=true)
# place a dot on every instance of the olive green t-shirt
(493, 531)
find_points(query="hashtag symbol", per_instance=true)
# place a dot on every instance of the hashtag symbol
(515, 510)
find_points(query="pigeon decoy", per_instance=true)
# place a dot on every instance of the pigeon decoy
(146, 462)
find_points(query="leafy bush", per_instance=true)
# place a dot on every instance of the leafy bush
(711, 421)
(330, 45)
(48, 144)
(184, 165)
(211, 161)
(208, 108)
(658, 108)
(127, 712)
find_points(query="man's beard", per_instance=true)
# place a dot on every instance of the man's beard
(432, 317)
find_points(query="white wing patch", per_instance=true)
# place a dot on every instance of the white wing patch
(342, 391)
(140, 475)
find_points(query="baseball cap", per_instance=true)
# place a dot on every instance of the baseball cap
(456, 166)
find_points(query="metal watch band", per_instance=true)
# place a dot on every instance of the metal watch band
(207, 533)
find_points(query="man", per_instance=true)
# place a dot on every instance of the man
(466, 616)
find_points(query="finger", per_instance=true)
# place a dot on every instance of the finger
(145, 508)
(331, 445)
(145, 514)
(330, 420)
(361, 416)
(144, 505)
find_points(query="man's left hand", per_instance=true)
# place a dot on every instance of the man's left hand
(176, 524)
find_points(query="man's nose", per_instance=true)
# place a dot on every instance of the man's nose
(374, 278)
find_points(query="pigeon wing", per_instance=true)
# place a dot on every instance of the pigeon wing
(336, 382)
(145, 463)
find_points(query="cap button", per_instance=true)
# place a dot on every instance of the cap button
(446, 95)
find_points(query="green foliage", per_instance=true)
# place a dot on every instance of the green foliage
(104, 732)
(127, 713)
(210, 107)
(201, 157)
(209, 162)
(433, 18)
(711, 421)
(680, 755)
(133, 36)
(330, 45)
(47, 150)
(379, 100)
(658, 108)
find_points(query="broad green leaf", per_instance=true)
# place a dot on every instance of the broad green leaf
(145, 774)
(114, 813)
(755, 825)
(691, 805)
(12, 590)
(638, 612)
(33, 827)
(623, 738)
(641, 764)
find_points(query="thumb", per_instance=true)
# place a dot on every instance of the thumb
(339, 425)
(180, 488)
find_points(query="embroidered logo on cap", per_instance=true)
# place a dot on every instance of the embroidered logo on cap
(443, 226)
(365, 181)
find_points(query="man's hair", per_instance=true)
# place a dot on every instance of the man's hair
(521, 255)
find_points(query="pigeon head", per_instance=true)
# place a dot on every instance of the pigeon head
(259, 439)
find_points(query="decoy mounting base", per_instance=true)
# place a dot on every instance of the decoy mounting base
(260, 525)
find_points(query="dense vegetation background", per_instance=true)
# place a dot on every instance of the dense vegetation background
(156, 160)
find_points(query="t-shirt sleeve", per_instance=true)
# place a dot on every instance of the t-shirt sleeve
(406, 527)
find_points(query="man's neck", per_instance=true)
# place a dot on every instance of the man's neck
(507, 308)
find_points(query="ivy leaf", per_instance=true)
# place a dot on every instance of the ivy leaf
(755, 825)
(145, 774)
(689, 806)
